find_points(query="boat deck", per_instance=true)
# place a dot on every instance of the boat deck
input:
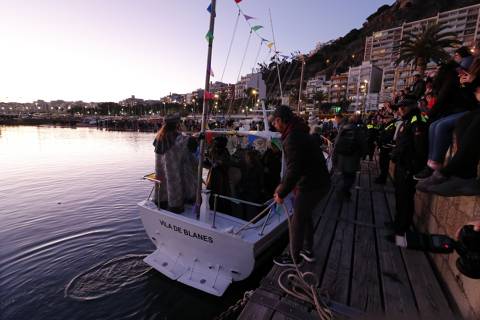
(364, 275)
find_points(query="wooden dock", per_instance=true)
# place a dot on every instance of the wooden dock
(364, 275)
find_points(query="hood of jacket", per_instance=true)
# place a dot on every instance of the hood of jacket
(166, 143)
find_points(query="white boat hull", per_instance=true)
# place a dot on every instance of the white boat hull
(199, 255)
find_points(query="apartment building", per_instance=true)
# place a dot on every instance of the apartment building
(338, 88)
(363, 85)
(252, 80)
(315, 85)
(382, 49)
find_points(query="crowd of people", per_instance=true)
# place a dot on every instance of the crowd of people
(430, 132)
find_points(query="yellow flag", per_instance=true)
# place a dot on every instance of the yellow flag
(270, 45)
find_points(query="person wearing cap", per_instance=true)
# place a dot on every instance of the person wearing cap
(307, 175)
(409, 156)
(175, 167)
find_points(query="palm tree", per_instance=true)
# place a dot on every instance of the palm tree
(426, 46)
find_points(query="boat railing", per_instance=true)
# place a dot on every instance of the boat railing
(269, 204)
(238, 201)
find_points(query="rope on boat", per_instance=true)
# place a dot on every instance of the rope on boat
(240, 70)
(303, 285)
(231, 43)
(276, 52)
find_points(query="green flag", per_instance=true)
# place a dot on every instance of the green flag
(255, 28)
(209, 36)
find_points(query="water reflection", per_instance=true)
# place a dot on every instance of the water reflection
(67, 203)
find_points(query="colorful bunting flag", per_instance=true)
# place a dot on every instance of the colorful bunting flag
(209, 36)
(270, 45)
(264, 40)
(256, 28)
(238, 1)
(284, 56)
(248, 17)
(209, 8)
(251, 139)
(211, 73)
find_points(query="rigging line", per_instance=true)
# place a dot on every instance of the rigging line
(244, 55)
(248, 22)
(256, 59)
(241, 67)
(258, 53)
(276, 51)
(231, 43)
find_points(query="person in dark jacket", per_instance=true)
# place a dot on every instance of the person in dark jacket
(307, 174)
(251, 183)
(385, 140)
(218, 181)
(418, 88)
(349, 148)
(409, 156)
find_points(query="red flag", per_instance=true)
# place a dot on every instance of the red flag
(208, 95)
(238, 1)
(209, 137)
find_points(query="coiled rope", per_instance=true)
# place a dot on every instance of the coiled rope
(303, 285)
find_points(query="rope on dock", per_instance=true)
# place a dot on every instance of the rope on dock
(303, 284)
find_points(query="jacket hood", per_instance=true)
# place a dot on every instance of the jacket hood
(295, 124)
(165, 144)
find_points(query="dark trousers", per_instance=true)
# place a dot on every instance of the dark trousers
(348, 181)
(384, 162)
(371, 150)
(404, 199)
(302, 222)
(465, 161)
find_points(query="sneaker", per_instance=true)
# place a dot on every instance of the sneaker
(424, 174)
(287, 261)
(434, 179)
(451, 188)
(307, 255)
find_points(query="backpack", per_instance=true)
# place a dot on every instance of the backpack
(346, 143)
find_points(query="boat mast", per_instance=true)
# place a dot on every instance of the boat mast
(205, 108)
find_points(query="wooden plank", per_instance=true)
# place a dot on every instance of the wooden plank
(431, 300)
(366, 291)
(397, 293)
(258, 311)
(324, 236)
(336, 279)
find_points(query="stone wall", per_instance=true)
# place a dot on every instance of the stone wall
(441, 215)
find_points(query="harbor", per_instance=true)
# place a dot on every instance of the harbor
(239, 159)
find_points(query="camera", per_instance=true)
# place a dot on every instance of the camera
(467, 247)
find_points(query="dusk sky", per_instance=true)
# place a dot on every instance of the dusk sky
(107, 50)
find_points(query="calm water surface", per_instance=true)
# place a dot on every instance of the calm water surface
(67, 204)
